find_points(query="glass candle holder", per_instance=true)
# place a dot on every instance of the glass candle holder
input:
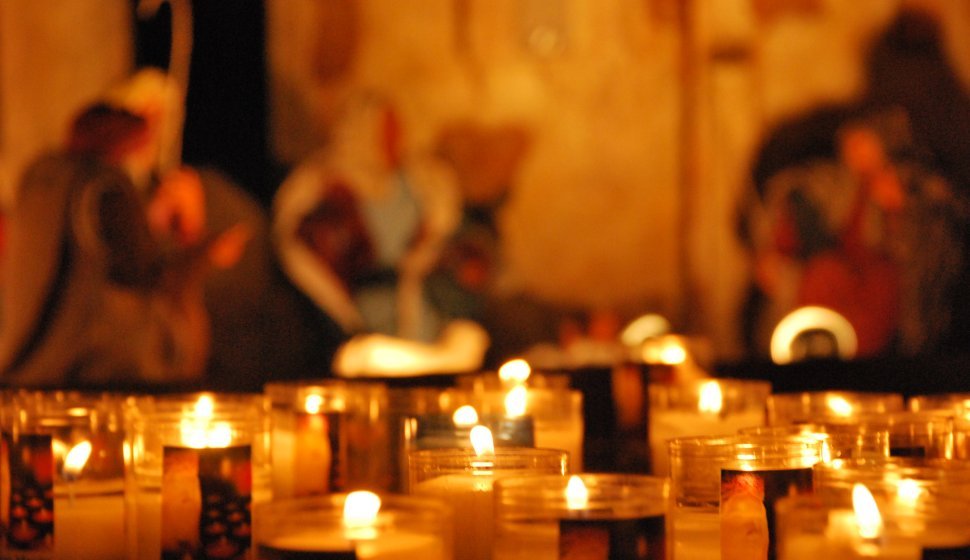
(810, 527)
(464, 478)
(722, 483)
(334, 526)
(706, 407)
(911, 484)
(196, 465)
(838, 441)
(914, 434)
(62, 491)
(828, 406)
(608, 515)
(959, 405)
(328, 436)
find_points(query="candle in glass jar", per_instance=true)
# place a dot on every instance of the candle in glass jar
(366, 530)
(464, 479)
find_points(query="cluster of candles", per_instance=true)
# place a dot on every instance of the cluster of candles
(488, 468)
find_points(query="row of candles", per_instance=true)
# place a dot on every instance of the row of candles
(491, 468)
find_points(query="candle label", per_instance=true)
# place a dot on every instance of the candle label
(268, 552)
(949, 553)
(748, 509)
(320, 454)
(613, 539)
(27, 494)
(206, 497)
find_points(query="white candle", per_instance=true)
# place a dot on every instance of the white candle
(470, 496)
(388, 545)
(89, 527)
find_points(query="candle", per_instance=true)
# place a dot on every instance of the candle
(63, 494)
(581, 516)
(464, 479)
(701, 408)
(367, 527)
(198, 464)
(828, 406)
(328, 436)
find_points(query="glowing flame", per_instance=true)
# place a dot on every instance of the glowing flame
(482, 441)
(839, 406)
(644, 327)
(76, 458)
(313, 403)
(198, 430)
(908, 493)
(711, 399)
(811, 318)
(515, 371)
(515, 401)
(673, 354)
(465, 416)
(577, 496)
(867, 513)
(360, 514)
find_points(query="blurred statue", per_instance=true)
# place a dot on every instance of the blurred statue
(360, 227)
(108, 249)
(862, 209)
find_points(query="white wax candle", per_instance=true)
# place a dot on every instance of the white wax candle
(89, 527)
(697, 535)
(843, 541)
(666, 425)
(470, 496)
(388, 545)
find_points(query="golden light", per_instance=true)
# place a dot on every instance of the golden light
(577, 496)
(908, 493)
(514, 372)
(868, 518)
(360, 514)
(644, 327)
(711, 399)
(76, 458)
(482, 441)
(313, 403)
(465, 416)
(516, 401)
(812, 318)
(198, 431)
(668, 350)
(839, 406)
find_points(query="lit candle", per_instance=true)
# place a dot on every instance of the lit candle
(464, 479)
(87, 522)
(198, 465)
(861, 533)
(364, 532)
(701, 408)
(582, 516)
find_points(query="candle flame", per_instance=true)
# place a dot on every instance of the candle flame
(360, 514)
(313, 403)
(711, 399)
(198, 431)
(908, 492)
(482, 441)
(867, 513)
(839, 406)
(515, 371)
(76, 458)
(673, 354)
(577, 496)
(465, 416)
(204, 407)
(515, 402)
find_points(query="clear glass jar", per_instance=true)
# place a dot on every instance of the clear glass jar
(838, 441)
(828, 406)
(914, 434)
(328, 436)
(551, 517)
(197, 463)
(63, 475)
(403, 527)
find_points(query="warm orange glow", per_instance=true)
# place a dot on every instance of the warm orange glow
(360, 514)
(867, 515)
(711, 399)
(577, 496)
(198, 431)
(76, 458)
(516, 401)
(482, 441)
(810, 318)
(313, 403)
(465, 416)
(515, 372)
(839, 406)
